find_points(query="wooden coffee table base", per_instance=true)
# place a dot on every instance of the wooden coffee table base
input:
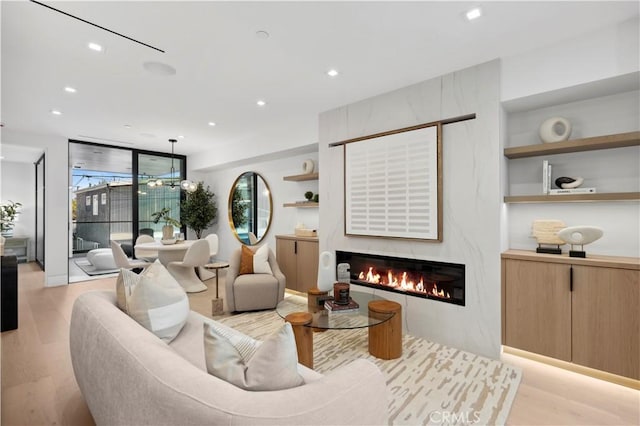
(304, 336)
(385, 339)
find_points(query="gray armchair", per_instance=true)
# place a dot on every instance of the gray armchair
(252, 292)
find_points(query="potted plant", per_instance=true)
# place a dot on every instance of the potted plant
(169, 222)
(238, 209)
(8, 213)
(199, 209)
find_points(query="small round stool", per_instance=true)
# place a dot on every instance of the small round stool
(385, 339)
(303, 335)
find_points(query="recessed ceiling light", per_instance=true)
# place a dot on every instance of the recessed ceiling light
(95, 46)
(262, 34)
(474, 13)
(159, 68)
(56, 112)
(261, 103)
(211, 123)
(70, 89)
(180, 137)
(332, 73)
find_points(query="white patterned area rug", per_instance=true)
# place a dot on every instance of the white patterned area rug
(430, 384)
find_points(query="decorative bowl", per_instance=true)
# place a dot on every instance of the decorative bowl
(168, 242)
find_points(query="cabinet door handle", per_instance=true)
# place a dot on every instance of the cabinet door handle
(295, 247)
(570, 278)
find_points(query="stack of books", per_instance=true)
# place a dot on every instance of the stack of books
(334, 308)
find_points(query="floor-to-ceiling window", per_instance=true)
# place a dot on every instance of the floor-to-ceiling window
(113, 192)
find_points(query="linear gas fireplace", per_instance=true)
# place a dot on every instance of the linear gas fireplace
(421, 278)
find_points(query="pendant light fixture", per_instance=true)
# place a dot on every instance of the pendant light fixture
(173, 185)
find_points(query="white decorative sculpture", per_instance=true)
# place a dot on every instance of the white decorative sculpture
(545, 232)
(555, 129)
(580, 235)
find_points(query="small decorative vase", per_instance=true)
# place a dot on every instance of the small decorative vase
(555, 129)
(167, 232)
(308, 166)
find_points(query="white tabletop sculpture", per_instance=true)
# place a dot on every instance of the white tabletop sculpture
(580, 235)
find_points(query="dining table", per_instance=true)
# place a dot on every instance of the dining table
(167, 252)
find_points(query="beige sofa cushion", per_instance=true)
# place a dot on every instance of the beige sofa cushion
(271, 366)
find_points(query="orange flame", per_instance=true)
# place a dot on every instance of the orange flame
(404, 282)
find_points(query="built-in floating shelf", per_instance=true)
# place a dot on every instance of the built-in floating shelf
(303, 177)
(302, 204)
(572, 198)
(619, 140)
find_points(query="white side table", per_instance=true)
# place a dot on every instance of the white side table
(217, 303)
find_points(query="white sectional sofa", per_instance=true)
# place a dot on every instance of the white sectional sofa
(128, 376)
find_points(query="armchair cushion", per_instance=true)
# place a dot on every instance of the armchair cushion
(273, 365)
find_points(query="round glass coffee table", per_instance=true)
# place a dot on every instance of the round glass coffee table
(316, 318)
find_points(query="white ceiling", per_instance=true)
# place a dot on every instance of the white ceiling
(223, 67)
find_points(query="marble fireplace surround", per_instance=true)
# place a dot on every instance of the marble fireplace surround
(472, 207)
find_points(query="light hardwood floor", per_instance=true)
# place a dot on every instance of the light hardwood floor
(38, 386)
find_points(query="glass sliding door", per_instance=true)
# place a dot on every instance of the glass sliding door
(101, 196)
(159, 179)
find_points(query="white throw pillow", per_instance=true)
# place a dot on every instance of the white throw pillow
(273, 365)
(261, 261)
(159, 303)
(125, 283)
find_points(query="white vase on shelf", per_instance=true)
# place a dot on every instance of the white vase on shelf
(555, 129)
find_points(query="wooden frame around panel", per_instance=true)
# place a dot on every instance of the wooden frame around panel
(438, 160)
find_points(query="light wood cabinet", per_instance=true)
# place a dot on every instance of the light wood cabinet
(538, 312)
(605, 319)
(580, 310)
(298, 260)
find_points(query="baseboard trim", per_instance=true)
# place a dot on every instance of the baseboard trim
(591, 372)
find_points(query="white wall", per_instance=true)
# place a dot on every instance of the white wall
(284, 219)
(472, 194)
(18, 185)
(56, 199)
(608, 52)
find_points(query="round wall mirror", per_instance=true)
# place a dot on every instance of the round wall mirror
(250, 208)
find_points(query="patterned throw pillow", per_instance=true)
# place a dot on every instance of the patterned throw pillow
(272, 366)
(255, 262)
(159, 303)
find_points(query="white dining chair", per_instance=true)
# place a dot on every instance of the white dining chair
(185, 271)
(145, 254)
(122, 261)
(206, 274)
